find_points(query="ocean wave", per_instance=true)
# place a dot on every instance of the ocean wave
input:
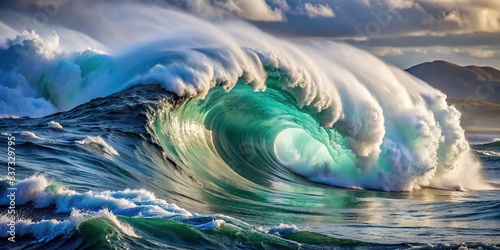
(83, 206)
(46, 230)
(488, 153)
(266, 131)
(494, 143)
(283, 229)
(109, 205)
(54, 125)
(97, 143)
(42, 193)
(364, 139)
(30, 135)
(224, 118)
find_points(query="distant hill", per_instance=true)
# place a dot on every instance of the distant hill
(480, 112)
(460, 82)
(478, 116)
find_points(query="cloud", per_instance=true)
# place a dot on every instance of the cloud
(409, 56)
(392, 17)
(318, 10)
(384, 51)
(461, 16)
(456, 40)
(254, 10)
(479, 53)
(6, 32)
(299, 18)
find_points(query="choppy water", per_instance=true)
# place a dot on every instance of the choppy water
(105, 180)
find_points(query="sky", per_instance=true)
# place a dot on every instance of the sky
(401, 32)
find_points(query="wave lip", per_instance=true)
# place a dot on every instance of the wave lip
(46, 230)
(97, 143)
(54, 125)
(30, 135)
(283, 230)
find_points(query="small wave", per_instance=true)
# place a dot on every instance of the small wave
(463, 246)
(213, 225)
(45, 230)
(105, 204)
(9, 117)
(30, 135)
(41, 230)
(96, 142)
(283, 230)
(110, 205)
(54, 125)
(129, 202)
(493, 142)
(488, 153)
(496, 143)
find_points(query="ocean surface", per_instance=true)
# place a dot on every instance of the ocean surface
(204, 135)
(134, 170)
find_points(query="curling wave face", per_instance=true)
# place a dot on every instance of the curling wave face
(260, 135)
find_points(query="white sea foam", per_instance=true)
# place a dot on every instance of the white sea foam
(54, 125)
(45, 230)
(283, 230)
(101, 204)
(126, 202)
(488, 153)
(97, 204)
(9, 117)
(29, 134)
(42, 230)
(83, 206)
(96, 142)
(212, 225)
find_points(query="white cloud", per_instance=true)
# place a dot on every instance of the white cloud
(255, 10)
(6, 32)
(318, 10)
(392, 4)
(479, 53)
(462, 16)
(386, 51)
